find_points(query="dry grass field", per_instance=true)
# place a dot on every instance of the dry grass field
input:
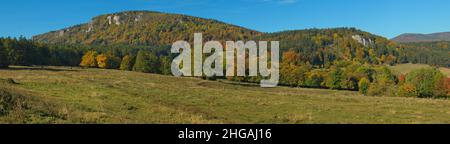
(65, 95)
(406, 68)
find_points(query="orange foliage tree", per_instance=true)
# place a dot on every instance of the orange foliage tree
(88, 59)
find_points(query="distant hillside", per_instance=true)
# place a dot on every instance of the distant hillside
(144, 28)
(434, 53)
(405, 38)
(324, 46)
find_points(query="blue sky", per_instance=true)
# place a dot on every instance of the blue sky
(383, 17)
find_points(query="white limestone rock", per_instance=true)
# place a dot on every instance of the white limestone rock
(90, 27)
(109, 20)
(114, 18)
(117, 20)
(362, 40)
(61, 33)
(138, 18)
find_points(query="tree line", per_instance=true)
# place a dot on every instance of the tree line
(432, 53)
(148, 61)
(25, 52)
(21, 51)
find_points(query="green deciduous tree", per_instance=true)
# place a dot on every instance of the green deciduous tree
(127, 63)
(363, 85)
(384, 83)
(4, 63)
(166, 65)
(334, 78)
(315, 78)
(428, 82)
(146, 62)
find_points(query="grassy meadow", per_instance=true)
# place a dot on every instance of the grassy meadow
(406, 68)
(66, 95)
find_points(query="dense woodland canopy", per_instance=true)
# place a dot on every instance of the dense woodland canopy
(433, 53)
(341, 58)
(321, 47)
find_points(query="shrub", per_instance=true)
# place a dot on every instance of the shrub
(447, 86)
(407, 90)
(428, 82)
(441, 87)
(363, 85)
(11, 81)
(381, 89)
(8, 101)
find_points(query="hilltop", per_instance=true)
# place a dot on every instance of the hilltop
(144, 28)
(409, 37)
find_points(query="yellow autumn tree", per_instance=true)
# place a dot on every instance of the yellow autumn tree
(108, 61)
(102, 61)
(89, 59)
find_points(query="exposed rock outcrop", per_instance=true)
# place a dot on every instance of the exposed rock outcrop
(115, 19)
(362, 40)
(90, 27)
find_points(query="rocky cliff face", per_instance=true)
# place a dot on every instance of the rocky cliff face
(114, 18)
(363, 41)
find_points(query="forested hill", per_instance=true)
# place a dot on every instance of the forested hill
(323, 46)
(318, 47)
(144, 28)
(436, 53)
(434, 37)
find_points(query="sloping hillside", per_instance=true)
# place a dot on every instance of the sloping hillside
(324, 46)
(406, 38)
(433, 53)
(144, 28)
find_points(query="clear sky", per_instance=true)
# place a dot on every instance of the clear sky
(383, 17)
